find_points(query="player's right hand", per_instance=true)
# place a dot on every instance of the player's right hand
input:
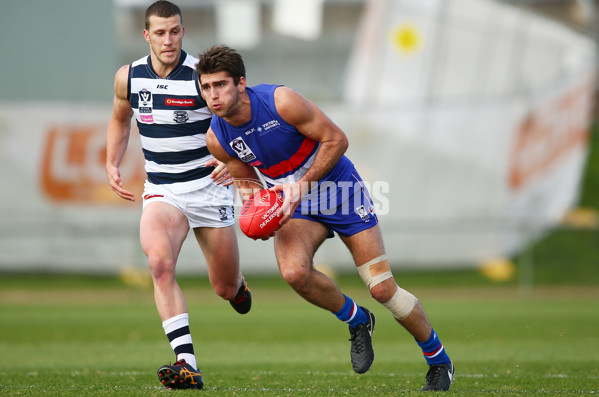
(292, 196)
(114, 179)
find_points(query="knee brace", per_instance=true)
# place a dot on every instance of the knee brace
(375, 272)
(401, 303)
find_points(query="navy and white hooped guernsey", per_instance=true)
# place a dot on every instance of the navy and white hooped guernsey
(172, 119)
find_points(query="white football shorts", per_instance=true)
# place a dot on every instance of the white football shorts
(210, 206)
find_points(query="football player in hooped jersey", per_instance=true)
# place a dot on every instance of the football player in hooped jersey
(184, 189)
(300, 151)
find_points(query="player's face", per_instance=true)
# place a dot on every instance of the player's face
(221, 94)
(165, 36)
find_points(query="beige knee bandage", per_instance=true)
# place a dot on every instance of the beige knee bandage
(401, 303)
(375, 271)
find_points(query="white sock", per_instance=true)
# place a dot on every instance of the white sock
(177, 331)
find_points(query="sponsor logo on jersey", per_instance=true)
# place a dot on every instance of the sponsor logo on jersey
(270, 124)
(244, 153)
(146, 118)
(179, 102)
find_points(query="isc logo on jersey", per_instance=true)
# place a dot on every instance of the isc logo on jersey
(244, 153)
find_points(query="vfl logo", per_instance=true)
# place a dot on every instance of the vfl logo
(145, 96)
(180, 116)
(362, 212)
(244, 153)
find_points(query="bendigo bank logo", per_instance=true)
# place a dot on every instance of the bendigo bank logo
(73, 166)
(179, 102)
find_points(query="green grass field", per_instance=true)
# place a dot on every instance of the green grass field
(70, 335)
(94, 337)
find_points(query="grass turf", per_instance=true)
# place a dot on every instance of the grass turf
(106, 339)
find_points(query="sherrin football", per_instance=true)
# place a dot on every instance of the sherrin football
(258, 216)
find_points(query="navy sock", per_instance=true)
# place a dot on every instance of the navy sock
(433, 350)
(351, 313)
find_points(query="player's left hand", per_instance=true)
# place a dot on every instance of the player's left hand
(220, 175)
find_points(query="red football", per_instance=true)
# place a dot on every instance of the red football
(258, 216)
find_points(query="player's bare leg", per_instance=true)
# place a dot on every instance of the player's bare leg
(368, 244)
(163, 228)
(219, 246)
(295, 246)
(367, 249)
(221, 252)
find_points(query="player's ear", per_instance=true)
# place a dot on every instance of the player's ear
(241, 84)
(146, 35)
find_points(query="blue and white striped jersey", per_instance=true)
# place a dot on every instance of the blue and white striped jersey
(172, 119)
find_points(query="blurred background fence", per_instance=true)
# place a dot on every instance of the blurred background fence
(469, 120)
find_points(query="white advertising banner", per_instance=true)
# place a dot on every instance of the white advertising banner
(58, 212)
(466, 183)
(451, 185)
(477, 114)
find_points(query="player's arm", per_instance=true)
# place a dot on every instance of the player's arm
(245, 176)
(310, 121)
(117, 135)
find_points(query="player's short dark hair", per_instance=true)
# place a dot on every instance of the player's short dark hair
(162, 9)
(221, 58)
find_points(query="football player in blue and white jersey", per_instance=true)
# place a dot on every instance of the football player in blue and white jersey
(297, 149)
(186, 187)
